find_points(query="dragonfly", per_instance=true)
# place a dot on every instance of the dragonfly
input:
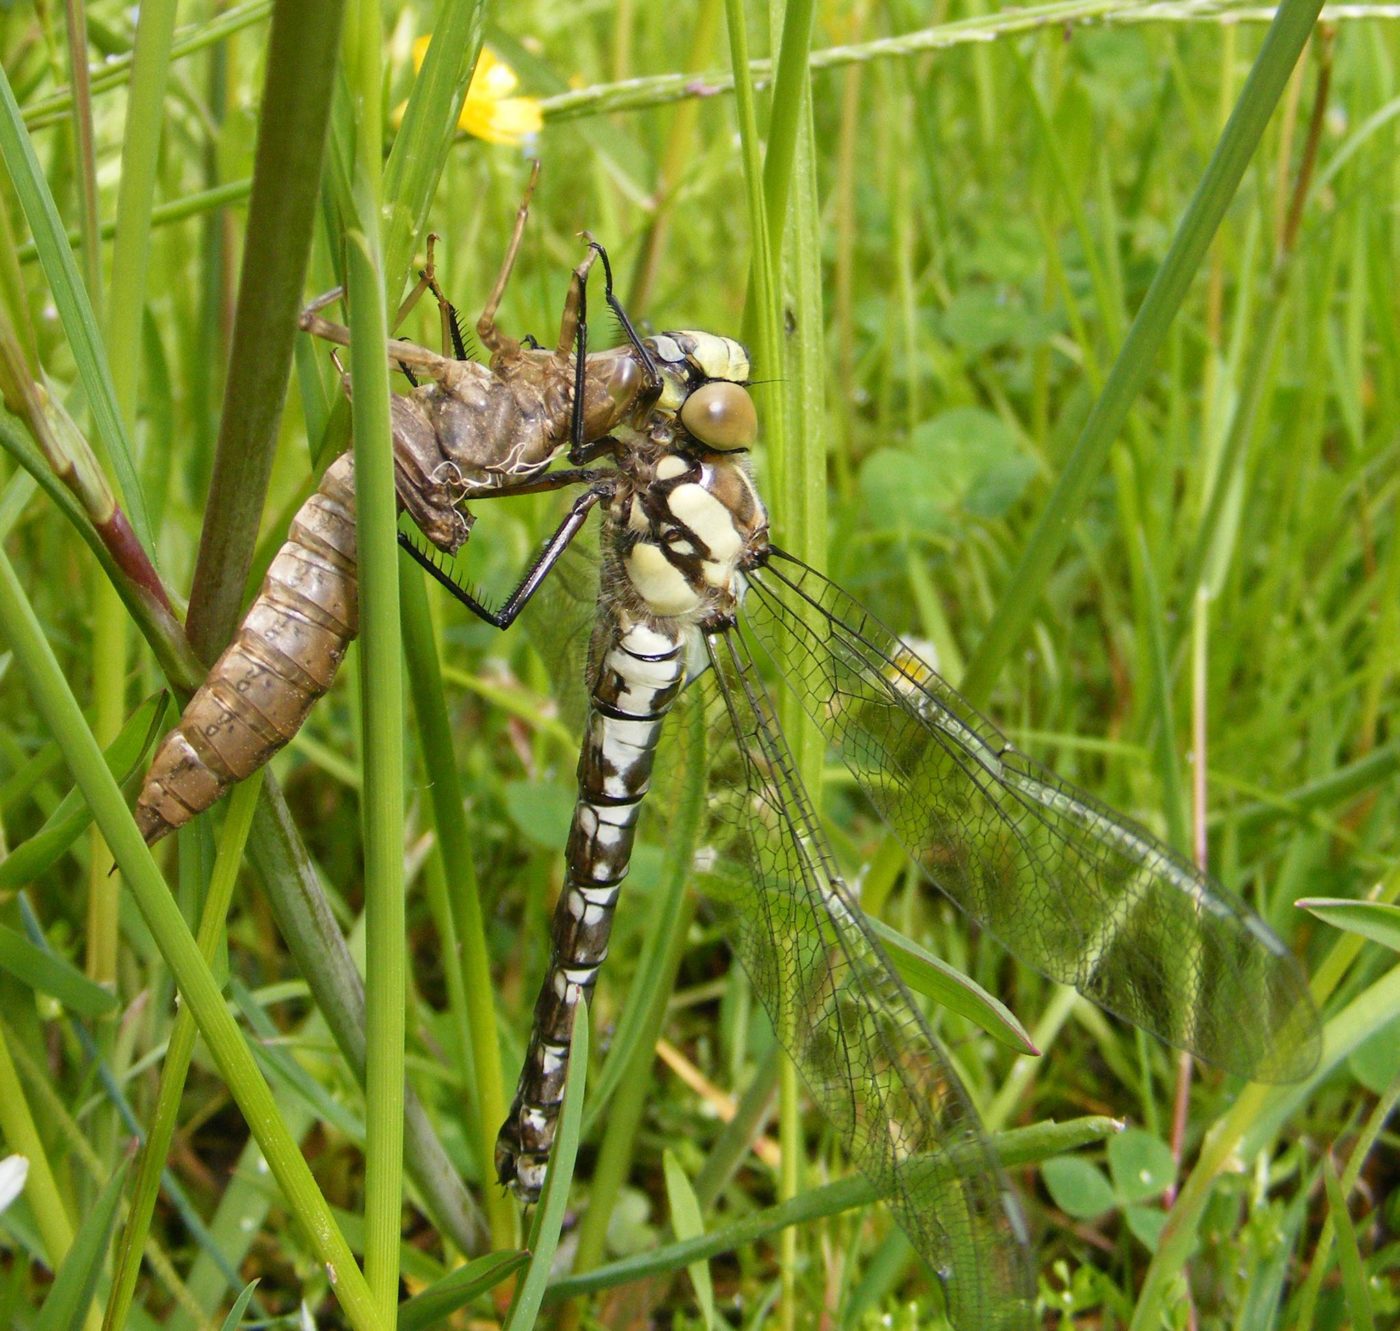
(467, 431)
(692, 590)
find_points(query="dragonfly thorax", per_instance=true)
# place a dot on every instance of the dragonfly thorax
(687, 524)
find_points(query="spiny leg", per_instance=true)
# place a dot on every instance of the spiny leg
(491, 337)
(574, 327)
(405, 355)
(541, 564)
(452, 342)
(615, 305)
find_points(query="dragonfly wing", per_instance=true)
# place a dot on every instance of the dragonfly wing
(560, 621)
(864, 1050)
(1071, 887)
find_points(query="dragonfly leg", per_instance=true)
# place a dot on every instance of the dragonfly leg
(400, 352)
(505, 615)
(491, 337)
(453, 343)
(615, 305)
(577, 307)
(574, 328)
(571, 327)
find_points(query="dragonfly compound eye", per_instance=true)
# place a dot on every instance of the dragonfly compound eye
(721, 416)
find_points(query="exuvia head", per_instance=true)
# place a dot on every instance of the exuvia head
(704, 382)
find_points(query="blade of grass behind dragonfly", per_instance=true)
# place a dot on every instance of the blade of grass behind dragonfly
(427, 132)
(55, 703)
(761, 329)
(303, 46)
(381, 667)
(411, 175)
(1282, 46)
(463, 930)
(1018, 1148)
(431, 1307)
(790, 452)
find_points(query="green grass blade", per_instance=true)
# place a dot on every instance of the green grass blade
(70, 299)
(428, 130)
(1358, 1297)
(1284, 43)
(303, 45)
(687, 1224)
(161, 1132)
(381, 679)
(59, 709)
(554, 1199)
(240, 1306)
(45, 973)
(434, 1305)
(308, 925)
(1016, 1148)
(65, 824)
(466, 934)
(70, 1298)
(141, 143)
(1377, 920)
(949, 987)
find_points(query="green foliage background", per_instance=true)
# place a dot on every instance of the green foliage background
(977, 204)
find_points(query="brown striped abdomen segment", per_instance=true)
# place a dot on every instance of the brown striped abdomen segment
(282, 659)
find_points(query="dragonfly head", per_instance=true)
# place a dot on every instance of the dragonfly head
(704, 382)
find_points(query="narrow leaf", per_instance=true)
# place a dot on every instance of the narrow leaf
(67, 822)
(71, 300)
(549, 1220)
(47, 973)
(434, 1305)
(1358, 1297)
(950, 988)
(687, 1223)
(66, 1308)
(240, 1306)
(1376, 920)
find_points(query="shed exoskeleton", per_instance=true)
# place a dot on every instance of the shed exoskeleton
(465, 430)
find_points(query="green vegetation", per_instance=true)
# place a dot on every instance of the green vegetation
(1079, 350)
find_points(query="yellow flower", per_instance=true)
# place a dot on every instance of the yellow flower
(490, 112)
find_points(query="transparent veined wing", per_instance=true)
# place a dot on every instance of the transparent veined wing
(863, 1049)
(1073, 888)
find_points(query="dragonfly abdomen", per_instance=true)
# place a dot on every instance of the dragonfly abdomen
(640, 674)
